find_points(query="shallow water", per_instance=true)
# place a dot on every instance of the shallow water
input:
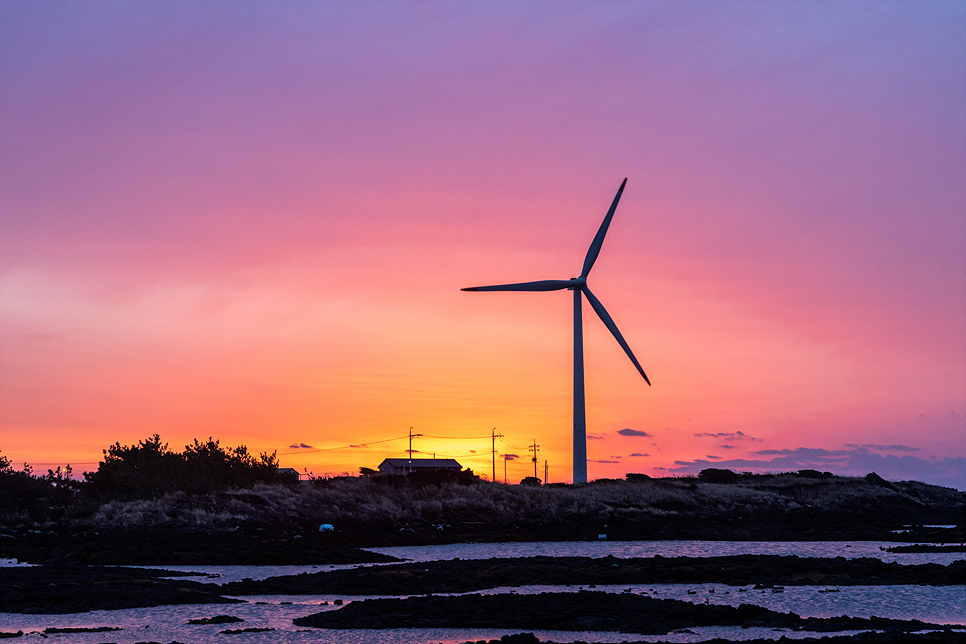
(933, 604)
(226, 574)
(937, 604)
(292, 635)
(627, 549)
(622, 549)
(169, 623)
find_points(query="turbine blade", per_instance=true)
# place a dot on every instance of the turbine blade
(609, 323)
(594, 249)
(543, 285)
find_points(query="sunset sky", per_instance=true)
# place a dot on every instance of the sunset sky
(252, 221)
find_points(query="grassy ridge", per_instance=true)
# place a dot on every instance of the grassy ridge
(374, 511)
(207, 487)
(394, 510)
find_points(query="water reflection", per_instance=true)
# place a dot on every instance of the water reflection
(169, 623)
(627, 549)
(938, 604)
(622, 549)
(934, 604)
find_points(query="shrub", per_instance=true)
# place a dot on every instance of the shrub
(439, 477)
(37, 499)
(151, 470)
(878, 481)
(814, 474)
(714, 475)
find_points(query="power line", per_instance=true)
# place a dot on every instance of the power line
(514, 445)
(387, 440)
(464, 456)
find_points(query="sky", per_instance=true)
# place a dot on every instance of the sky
(252, 220)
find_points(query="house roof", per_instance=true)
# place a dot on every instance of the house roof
(422, 462)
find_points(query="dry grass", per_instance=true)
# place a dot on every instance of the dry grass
(362, 501)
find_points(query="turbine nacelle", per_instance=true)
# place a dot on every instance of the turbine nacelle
(577, 284)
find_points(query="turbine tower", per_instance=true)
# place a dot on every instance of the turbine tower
(579, 285)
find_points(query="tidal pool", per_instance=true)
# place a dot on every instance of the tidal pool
(622, 549)
(628, 549)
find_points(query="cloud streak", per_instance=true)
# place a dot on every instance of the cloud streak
(632, 432)
(729, 436)
(884, 448)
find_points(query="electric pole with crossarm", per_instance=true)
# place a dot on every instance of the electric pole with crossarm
(493, 451)
(411, 436)
(533, 448)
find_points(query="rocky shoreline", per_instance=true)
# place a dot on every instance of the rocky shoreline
(460, 576)
(159, 547)
(262, 545)
(70, 589)
(920, 548)
(59, 590)
(581, 611)
(868, 637)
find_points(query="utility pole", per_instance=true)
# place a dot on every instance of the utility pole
(546, 475)
(533, 448)
(411, 435)
(505, 459)
(493, 452)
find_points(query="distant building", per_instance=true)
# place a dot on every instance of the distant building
(288, 474)
(406, 465)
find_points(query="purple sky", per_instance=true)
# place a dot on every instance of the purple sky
(252, 220)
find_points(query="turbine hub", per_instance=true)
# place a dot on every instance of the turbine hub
(578, 283)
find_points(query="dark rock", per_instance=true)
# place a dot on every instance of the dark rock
(183, 548)
(471, 575)
(890, 637)
(217, 619)
(928, 548)
(55, 590)
(580, 611)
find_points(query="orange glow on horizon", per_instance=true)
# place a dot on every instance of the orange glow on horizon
(261, 235)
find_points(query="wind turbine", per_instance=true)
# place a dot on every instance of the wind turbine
(579, 285)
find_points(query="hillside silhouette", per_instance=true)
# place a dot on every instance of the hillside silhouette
(146, 499)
